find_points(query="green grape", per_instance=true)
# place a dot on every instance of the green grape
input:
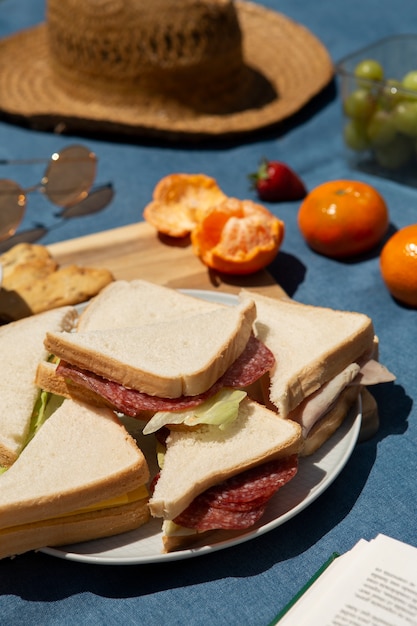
(381, 129)
(391, 94)
(405, 118)
(359, 104)
(409, 82)
(370, 70)
(396, 154)
(355, 136)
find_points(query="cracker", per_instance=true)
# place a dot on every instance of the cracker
(23, 261)
(33, 282)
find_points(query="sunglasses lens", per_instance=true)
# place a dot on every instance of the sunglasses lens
(96, 201)
(12, 207)
(70, 175)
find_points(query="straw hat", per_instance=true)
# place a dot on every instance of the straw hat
(165, 68)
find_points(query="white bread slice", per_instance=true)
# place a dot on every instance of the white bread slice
(200, 458)
(311, 345)
(22, 348)
(122, 304)
(136, 302)
(76, 528)
(80, 457)
(167, 358)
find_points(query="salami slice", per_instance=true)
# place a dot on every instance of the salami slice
(240, 499)
(128, 401)
(210, 518)
(255, 361)
(253, 487)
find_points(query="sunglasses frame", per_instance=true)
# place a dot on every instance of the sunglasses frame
(13, 198)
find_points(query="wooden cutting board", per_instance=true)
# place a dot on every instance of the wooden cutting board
(137, 251)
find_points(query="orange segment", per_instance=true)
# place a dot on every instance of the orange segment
(398, 263)
(237, 237)
(179, 200)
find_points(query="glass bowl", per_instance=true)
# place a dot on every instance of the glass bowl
(380, 112)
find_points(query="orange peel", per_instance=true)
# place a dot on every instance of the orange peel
(179, 201)
(237, 237)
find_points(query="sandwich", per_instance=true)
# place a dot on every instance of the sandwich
(81, 477)
(121, 304)
(324, 359)
(221, 477)
(164, 365)
(23, 406)
(190, 368)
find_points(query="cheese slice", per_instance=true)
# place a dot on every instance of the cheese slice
(136, 495)
(133, 496)
(171, 529)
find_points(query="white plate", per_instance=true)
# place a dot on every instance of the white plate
(314, 476)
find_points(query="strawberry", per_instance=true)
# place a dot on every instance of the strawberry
(276, 182)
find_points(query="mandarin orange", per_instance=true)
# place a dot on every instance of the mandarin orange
(237, 237)
(343, 218)
(398, 264)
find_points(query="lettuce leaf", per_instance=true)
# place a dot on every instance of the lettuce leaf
(45, 405)
(220, 410)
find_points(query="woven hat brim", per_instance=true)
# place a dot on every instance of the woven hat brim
(294, 62)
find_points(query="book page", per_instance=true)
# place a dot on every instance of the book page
(375, 584)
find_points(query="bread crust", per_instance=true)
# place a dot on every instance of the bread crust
(7, 456)
(173, 543)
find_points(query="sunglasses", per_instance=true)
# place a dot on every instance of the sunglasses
(66, 182)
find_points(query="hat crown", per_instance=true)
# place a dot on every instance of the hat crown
(71, 73)
(126, 39)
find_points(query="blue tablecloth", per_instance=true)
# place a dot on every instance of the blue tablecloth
(377, 490)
